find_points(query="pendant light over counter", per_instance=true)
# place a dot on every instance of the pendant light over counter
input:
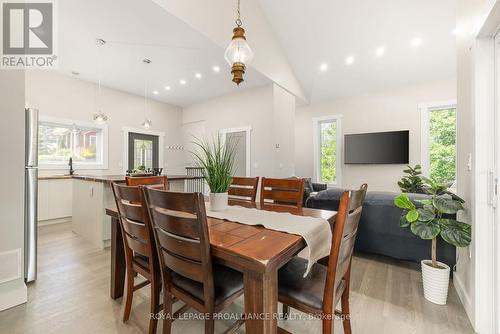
(99, 117)
(238, 54)
(147, 122)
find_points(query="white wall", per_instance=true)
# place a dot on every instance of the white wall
(12, 292)
(61, 96)
(268, 110)
(382, 111)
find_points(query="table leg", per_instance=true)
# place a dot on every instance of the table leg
(117, 260)
(261, 302)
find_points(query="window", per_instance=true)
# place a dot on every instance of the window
(327, 143)
(439, 138)
(59, 140)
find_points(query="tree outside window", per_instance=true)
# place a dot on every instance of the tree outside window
(442, 145)
(328, 153)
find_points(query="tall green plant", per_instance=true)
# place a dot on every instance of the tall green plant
(432, 219)
(217, 160)
(412, 181)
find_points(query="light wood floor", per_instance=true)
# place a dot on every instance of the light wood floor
(71, 295)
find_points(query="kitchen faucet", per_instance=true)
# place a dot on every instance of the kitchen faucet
(71, 171)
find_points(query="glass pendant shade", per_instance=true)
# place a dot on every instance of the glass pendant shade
(100, 117)
(238, 54)
(147, 123)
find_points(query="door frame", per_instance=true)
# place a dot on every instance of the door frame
(486, 235)
(161, 140)
(248, 131)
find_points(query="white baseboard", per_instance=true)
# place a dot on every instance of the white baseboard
(54, 221)
(464, 298)
(13, 294)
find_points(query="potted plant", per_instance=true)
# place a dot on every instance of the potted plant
(412, 181)
(430, 219)
(217, 160)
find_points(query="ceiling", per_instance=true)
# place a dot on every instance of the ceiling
(135, 30)
(310, 33)
(329, 31)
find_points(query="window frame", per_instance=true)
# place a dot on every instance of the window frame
(100, 165)
(317, 147)
(425, 110)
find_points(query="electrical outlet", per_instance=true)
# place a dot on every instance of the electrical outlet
(469, 162)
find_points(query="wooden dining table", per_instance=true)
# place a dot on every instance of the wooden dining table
(254, 250)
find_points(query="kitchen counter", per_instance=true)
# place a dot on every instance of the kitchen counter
(112, 178)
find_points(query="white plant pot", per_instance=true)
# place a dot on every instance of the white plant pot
(218, 201)
(436, 282)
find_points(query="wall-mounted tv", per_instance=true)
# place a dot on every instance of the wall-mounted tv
(377, 148)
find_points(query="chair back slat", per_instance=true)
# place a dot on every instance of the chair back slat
(159, 182)
(344, 236)
(282, 191)
(182, 266)
(174, 223)
(135, 229)
(189, 248)
(137, 246)
(134, 221)
(180, 228)
(244, 188)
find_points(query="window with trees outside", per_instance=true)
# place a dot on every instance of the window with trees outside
(60, 140)
(327, 157)
(439, 144)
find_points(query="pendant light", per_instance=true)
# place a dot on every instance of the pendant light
(147, 122)
(99, 117)
(238, 54)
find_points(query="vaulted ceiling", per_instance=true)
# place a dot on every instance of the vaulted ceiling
(317, 50)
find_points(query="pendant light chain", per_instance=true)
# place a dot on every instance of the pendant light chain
(238, 20)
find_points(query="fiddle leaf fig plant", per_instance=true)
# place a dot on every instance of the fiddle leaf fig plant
(412, 181)
(431, 218)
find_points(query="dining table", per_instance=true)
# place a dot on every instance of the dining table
(255, 251)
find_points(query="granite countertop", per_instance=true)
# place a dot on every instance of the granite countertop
(110, 178)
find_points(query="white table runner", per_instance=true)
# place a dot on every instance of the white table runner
(315, 231)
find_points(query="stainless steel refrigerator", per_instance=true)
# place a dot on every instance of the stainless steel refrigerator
(31, 195)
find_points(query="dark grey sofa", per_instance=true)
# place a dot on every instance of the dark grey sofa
(379, 231)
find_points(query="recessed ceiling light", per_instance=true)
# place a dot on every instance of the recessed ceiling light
(380, 52)
(216, 68)
(167, 88)
(182, 82)
(155, 92)
(349, 60)
(416, 42)
(197, 75)
(323, 67)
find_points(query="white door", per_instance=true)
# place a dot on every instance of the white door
(240, 160)
(493, 180)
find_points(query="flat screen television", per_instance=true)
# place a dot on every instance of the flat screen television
(377, 148)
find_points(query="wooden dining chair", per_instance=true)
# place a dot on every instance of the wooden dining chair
(320, 291)
(140, 249)
(160, 182)
(282, 191)
(243, 188)
(180, 228)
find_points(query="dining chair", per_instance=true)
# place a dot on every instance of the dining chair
(160, 182)
(320, 291)
(243, 188)
(180, 228)
(139, 247)
(282, 191)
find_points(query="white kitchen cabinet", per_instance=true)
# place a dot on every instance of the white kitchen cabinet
(43, 200)
(60, 198)
(55, 200)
